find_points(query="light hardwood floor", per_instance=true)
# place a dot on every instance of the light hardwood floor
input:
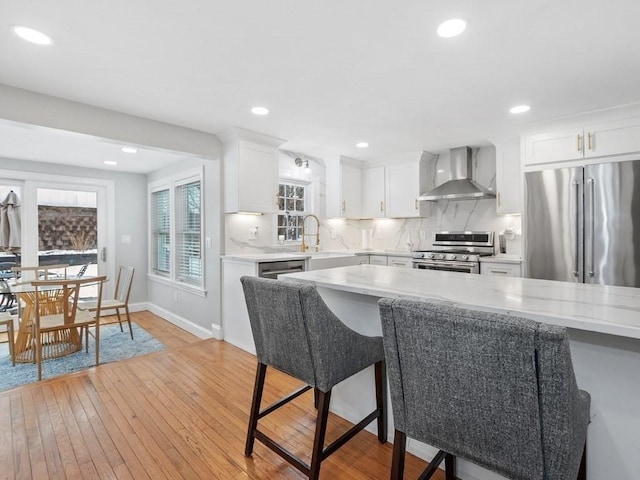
(177, 414)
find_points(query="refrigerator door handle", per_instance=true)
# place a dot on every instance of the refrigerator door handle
(576, 264)
(592, 221)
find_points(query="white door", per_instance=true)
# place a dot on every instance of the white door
(69, 223)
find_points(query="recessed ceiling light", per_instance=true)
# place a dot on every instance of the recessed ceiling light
(520, 109)
(110, 162)
(362, 144)
(452, 28)
(31, 35)
(129, 150)
(260, 111)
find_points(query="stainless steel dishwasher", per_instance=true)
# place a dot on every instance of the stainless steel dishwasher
(279, 267)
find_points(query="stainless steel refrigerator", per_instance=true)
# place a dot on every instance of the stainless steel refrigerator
(582, 224)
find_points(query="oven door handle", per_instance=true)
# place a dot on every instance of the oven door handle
(446, 264)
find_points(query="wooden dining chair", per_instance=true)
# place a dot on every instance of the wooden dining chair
(58, 325)
(121, 300)
(6, 320)
(40, 272)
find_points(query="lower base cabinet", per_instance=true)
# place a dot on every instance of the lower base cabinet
(405, 262)
(501, 269)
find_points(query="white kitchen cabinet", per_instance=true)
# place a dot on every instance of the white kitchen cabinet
(590, 141)
(501, 269)
(509, 180)
(344, 187)
(403, 187)
(378, 260)
(373, 192)
(612, 138)
(396, 261)
(236, 328)
(351, 191)
(555, 146)
(363, 259)
(251, 172)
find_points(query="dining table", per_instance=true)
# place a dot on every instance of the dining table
(50, 303)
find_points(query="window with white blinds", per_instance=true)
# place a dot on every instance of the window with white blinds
(176, 229)
(188, 233)
(160, 232)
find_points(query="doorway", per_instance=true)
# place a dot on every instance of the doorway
(70, 223)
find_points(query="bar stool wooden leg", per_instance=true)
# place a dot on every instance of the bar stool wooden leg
(582, 473)
(321, 429)
(399, 451)
(381, 399)
(261, 371)
(450, 467)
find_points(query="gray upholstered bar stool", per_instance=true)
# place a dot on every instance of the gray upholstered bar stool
(295, 332)
(494, 389)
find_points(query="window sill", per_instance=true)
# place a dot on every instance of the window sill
(200, 292)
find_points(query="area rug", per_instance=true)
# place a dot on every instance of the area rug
(114, 346)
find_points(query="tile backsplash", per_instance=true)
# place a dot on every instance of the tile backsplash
(387, 234)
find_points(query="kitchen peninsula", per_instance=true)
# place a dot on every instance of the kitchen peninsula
(604, 329)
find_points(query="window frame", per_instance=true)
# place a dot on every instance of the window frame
(308, 206)
(173, 184)
(153, 239)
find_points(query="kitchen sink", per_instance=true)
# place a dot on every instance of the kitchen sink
(329, 254)
(322, 260)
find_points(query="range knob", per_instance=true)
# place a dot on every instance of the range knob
(465, 257)
(451, 256)
(430, 255)
(441, 256)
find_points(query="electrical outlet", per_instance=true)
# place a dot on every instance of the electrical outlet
(208, 242)
(423, 235)
(253, 233)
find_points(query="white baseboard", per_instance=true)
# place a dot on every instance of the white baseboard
(179, 321)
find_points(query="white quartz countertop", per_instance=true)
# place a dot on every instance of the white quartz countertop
(502, 258)
(273, 257)
(265, 257)
(596, 308)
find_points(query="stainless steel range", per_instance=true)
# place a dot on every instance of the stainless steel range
(455, 252)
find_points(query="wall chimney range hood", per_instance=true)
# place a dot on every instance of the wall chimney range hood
(461, 186)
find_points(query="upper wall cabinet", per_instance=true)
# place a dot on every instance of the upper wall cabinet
(591, 141)
(351, 189)
(509, 177)
(391, 191)
(251, 171)
(373, 188)
(344, 187)
(404, 183)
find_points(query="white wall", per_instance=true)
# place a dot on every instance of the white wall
(197, 314)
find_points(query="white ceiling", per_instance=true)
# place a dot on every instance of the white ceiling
(332, 73)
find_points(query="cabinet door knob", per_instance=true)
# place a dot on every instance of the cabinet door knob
(381, 206)
(344, 205)
(277, 200)
(579, 143)
(589, 142)
(416, 206)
